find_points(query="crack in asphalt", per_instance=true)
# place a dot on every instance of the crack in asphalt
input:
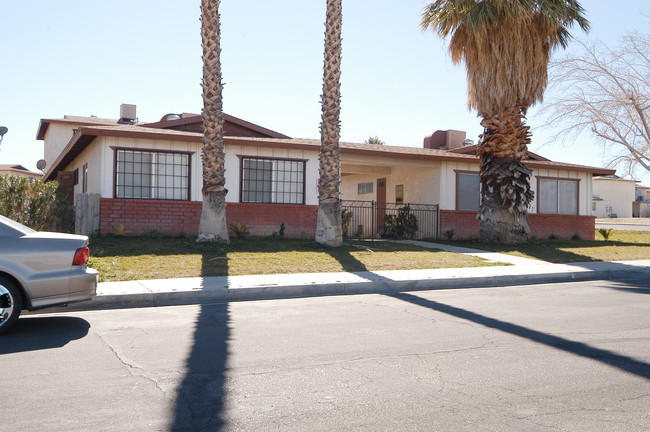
(134, 369)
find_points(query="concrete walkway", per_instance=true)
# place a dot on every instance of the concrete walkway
(521, 271)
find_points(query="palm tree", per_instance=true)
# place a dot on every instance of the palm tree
(328, 223)
(213, 225)
(374, 140)
(505, 45)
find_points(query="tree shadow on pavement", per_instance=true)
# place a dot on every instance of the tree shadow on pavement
(200, 398)
(624, 363)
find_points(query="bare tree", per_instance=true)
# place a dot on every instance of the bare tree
(605, 92)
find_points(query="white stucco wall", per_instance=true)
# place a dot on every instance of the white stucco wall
(616, 196)
(100, 157)
(56, 138)
(93, 156)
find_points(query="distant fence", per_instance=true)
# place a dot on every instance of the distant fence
(371, 219)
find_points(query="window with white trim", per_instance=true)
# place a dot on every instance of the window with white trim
(558, 196)
(152, 175)
(278, 181)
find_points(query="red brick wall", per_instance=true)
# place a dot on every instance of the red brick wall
(465, 225)
(136, 216)
(463, 222)
(265, 219)
(563, 226)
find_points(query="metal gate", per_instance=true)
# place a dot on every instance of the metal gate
(371, 219)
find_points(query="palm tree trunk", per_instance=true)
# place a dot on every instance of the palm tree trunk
(213, 226)
(328, 224)
(505, 180)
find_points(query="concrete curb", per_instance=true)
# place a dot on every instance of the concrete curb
(169, 292)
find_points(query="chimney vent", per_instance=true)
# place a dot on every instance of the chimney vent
(127, 114)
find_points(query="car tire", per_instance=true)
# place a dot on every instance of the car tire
(11, 304)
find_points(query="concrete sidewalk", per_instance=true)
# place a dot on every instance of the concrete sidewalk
(521, 271)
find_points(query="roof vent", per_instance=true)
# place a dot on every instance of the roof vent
(127, 114)
(468, 142)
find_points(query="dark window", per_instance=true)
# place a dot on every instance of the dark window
(365, 188)
(469, 191)
(152, 175)
(76, 176)
(278, 181)
(558, 196)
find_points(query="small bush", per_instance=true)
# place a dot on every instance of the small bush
(605, 232)
(240, 229)
(576, 237)
(120, 230)
(553, 237)
(449, 234)
(402, 225)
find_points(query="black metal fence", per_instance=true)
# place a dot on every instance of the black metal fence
(371, 219)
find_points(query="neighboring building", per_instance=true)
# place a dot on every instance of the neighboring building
(641, 206)
(138, 177)
(613, 197)
(19, 170)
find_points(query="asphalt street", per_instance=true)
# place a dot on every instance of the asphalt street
(572, 356)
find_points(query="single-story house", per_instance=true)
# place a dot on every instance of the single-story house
(131, 177)
(641, 207)
(613, 197)
(19, 170)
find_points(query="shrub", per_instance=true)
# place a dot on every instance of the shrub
(449, 234)
(41, 206)
(576, 237)
(346, 219)
(553, 237)
(405, 224)
(240, 229)
(605, 232)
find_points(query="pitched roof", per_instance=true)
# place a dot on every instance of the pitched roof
(86, 134)
(18, 169)
(44, 124)
(232, 125)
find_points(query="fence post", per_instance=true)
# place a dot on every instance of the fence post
(372, 218)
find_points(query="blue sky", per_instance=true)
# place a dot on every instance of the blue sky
(82, 57)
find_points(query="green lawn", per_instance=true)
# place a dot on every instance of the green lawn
(131, 258)
(621, 246)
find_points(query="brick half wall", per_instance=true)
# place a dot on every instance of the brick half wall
(465, 225)
(138, 216)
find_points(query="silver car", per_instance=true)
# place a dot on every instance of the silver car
(41, 269)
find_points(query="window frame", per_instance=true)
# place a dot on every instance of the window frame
(84, 178)
(364, 186)
(458, 174)
(189, 155)
(242, 157)
(557, 180)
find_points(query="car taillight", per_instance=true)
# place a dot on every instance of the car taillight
(81, 256)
